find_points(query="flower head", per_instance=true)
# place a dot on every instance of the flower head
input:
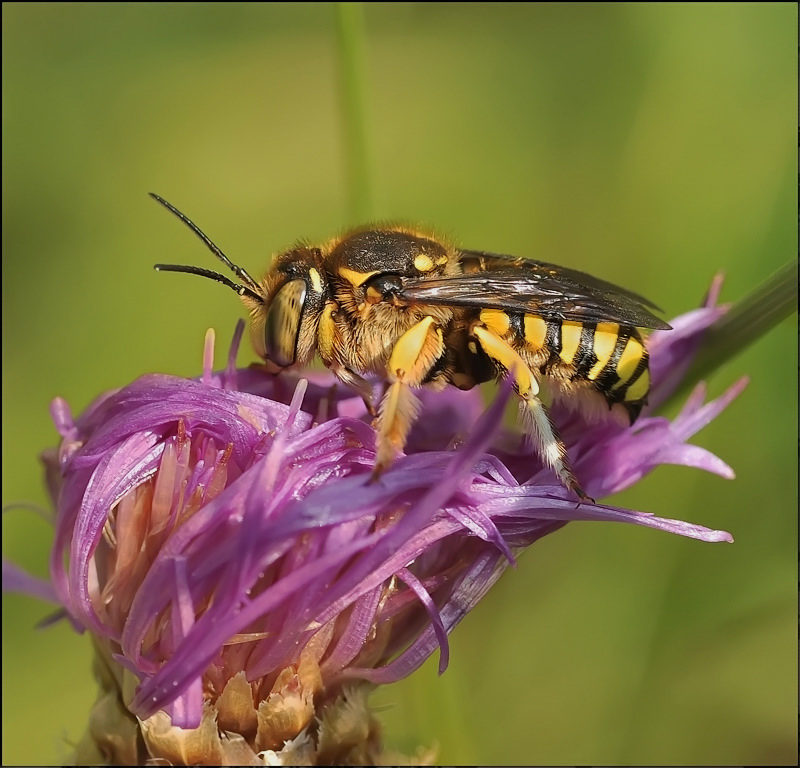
(242, 576)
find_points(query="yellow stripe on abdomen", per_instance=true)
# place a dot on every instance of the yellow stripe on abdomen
(605, 339)
(570, 340)
(639, 388)
(628, 361)
(497, 320)
(535, 331)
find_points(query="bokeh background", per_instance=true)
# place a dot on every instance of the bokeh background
(650, 144)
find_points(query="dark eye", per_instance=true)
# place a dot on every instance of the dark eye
(282, 324)
(291, 270)
(381, 287)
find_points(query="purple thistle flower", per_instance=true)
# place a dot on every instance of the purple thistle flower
(241, 575)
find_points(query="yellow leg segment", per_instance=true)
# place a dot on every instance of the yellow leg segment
(414, 355)
(535, 416)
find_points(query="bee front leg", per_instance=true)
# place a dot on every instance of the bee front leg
(358, 383)
(415, 353)
(329, 339)
(535, 416)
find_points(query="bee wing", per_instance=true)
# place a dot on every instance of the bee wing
(482, 261)
(494, 281)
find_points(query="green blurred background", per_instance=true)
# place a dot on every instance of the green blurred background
(649, 144)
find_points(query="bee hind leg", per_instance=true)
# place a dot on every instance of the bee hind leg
(535, 416)
(414, 355)
(550, 446)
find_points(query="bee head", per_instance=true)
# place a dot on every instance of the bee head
(284, 308)
(284, 324)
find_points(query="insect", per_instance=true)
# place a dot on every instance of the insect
(399, 305)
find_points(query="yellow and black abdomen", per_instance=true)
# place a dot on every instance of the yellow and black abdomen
(580, 356)
(610, 356)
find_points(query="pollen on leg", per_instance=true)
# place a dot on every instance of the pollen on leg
(414, 354)
(398, 411)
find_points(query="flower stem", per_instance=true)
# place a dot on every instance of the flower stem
(352, 64)
(748, 320)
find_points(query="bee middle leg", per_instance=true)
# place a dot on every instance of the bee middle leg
(535, 415)
(413, 357)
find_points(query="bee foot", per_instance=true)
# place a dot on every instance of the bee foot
(579, 492)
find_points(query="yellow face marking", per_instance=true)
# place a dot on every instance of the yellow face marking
(441, 260)
(570, 340)
(316, 280)
(423, 263)
(508, 357)
(639, 388)
(628, 361)
(326, 332)
(605, 339)
(535, 331)
(497, 320)
(354, 277)
(409, 346)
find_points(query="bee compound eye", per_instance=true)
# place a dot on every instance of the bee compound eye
(282, 324)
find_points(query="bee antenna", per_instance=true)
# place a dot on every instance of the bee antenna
(241, 290)
(251, 289)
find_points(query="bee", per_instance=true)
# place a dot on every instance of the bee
(396, 304)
